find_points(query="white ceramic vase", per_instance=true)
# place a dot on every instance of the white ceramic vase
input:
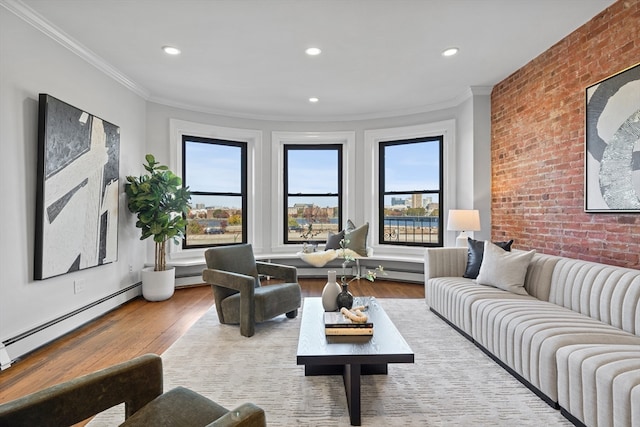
(330, 292)
(158, 285)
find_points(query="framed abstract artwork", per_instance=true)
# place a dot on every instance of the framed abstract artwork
(77, 190)
(612, 144)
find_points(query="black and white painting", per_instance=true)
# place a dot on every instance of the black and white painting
(77, 194)
(612, 159)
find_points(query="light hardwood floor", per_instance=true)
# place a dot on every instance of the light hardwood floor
(140, 327)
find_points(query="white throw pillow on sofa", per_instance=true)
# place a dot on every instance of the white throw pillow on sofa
(504, 270)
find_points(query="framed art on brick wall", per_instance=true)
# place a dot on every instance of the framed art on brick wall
(77, 190)
(612, 143)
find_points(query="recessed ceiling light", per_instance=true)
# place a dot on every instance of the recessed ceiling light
(313, 51)
(170, 50)
(313, 99)
(450, 52)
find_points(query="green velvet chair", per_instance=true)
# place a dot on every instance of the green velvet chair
(138, 384)
(240, 298)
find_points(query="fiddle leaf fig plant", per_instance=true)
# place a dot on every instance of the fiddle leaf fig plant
(161, 205)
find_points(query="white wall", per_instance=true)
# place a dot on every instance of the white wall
(32, 63)
(473, 163)
(482, 162)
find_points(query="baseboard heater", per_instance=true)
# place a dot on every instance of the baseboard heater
(5, 360)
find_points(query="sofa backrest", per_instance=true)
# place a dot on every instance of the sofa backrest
(444, 262)
(537, 282)
(604, 292)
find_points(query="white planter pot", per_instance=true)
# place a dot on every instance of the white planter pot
(158, 285)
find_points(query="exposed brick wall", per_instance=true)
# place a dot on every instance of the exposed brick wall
(537, 150)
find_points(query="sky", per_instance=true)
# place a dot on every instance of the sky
(214, 167)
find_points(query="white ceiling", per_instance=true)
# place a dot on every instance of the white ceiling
(245, 58)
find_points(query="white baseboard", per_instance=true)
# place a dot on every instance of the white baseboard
(5, 360)
(17, 347)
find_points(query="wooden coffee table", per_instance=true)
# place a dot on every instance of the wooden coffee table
(350, 356)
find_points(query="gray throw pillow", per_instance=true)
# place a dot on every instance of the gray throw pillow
(333, 240)
(504, 270)
(357, 239)
(350, 225)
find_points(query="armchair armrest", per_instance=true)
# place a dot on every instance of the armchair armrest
(284, 272)
(135, 382)
(245, 415)
(239, 282)
(242, 283)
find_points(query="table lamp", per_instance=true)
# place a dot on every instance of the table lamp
(463, 220)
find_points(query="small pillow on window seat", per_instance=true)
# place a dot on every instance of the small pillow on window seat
(357, 239)
(333, 240)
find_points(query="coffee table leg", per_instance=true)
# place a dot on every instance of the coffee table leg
(352, 387)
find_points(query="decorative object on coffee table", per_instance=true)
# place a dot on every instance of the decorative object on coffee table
(347, 322)
(345, 298)
(330, 292)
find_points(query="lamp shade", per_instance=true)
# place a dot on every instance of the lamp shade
(464, 220)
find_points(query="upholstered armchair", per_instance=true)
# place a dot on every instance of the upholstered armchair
(138, 384)
(234, 276)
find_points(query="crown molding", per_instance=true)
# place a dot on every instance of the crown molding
(31, 17)
(452, 103)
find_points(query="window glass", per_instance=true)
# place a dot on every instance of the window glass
(215, 172)
(313, 182)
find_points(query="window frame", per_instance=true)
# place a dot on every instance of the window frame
(382, 145)
(292, 146)
(447, 128)
(243, 183)
(254, 139)
(273, 230)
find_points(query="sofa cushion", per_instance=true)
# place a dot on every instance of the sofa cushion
(474, 257)
(504, 270)
(527, 335)
(453, 298)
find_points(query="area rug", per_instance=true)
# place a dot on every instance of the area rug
(451, 383)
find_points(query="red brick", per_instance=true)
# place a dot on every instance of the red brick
(537, 124)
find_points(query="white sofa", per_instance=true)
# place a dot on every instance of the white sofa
(574, 339)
